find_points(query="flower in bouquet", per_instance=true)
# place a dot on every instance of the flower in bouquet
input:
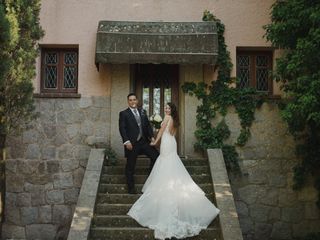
(156, 121)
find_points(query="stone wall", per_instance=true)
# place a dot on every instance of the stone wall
(268, 208)
(46, 164)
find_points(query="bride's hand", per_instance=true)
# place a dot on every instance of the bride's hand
(152, 143)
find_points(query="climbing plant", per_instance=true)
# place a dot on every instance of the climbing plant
(215, 99)
(295, 28)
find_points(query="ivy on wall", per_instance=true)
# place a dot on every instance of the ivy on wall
(295, 28)
(216, 98)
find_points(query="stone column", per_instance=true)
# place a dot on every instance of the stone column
(189, 73)
(120, 88)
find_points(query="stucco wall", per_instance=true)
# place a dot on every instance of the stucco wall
(76, 21)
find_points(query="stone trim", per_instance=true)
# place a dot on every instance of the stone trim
(81, 222)
(229, 222)
(57, 95)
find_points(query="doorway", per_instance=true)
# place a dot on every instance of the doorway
(156, 85)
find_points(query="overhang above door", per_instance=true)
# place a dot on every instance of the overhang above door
(157, 42)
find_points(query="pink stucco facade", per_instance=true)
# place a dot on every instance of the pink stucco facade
(75, 22)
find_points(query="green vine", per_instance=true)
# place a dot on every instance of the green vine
(110, 156)
(216, 98)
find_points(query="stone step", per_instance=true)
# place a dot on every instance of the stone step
(146, 162)
(112, 209)
(124, 221)
(105, 233)
(122, 188)
(141, 179)
(127, 198)
(113, 170)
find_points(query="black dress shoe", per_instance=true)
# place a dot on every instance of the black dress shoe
(132, 191)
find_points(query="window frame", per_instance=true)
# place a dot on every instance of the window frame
(60, 90)
(253, 53)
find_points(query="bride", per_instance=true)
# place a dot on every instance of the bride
(172, 203)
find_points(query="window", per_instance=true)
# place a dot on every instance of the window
(253, 68)
(59, 70)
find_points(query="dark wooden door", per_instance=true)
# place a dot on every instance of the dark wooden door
(156, 85)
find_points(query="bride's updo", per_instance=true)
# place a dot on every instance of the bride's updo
(174, 115)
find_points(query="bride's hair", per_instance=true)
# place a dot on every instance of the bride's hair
(174, 115)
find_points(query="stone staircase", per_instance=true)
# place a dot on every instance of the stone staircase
(110, 221)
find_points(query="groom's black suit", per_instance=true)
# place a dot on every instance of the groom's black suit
(129, 131)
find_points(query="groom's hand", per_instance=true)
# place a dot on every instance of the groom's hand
(129, 146)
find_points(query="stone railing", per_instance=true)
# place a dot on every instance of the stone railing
(229, 222)
(83, 213)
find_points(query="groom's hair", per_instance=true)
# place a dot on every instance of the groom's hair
(131, 94)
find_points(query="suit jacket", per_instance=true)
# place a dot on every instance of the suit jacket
(128, 126)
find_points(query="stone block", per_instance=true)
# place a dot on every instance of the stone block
(23, 200)
(50, 130)
(14, 182)
(276, 180)
(292, 214)
(53, 166)
(48, 152)
(93, 114)
(69, 164)
(287, 198)
(45, 214)
(12, 215)
(104, 115)
(11, 199)
(100, 102)
(29, 187)
(29, 215)
(101, 130)
(73, 130)
(33, 151)
(55, 197)
(30, 136)
(63, 180)
(11, 165)
(41, 231)
(61, 137)
(71, 196)
(86, 128)
(61, 214)
(27, 167)
(249, 194)
(269, 197)
(308, 193)
(65, 151)
(281, 230)
(78, 177)
(85, 102)
(242, 209)
(312, 211)
(13, 232)
(275, 214)
(262, 231)
(38, 198)
(81, 152)
(259, 213)
(246, 225)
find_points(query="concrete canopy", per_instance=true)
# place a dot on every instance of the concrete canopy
(157, 42)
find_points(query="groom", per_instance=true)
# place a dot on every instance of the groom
(136, 134)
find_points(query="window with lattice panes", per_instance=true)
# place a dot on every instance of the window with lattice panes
(253, 70)
(59, 70)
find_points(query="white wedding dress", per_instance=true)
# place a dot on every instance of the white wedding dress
(172, 203)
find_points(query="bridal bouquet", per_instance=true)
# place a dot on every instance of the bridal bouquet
(156, 121)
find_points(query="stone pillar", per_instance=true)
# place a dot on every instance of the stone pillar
(188, 106)
(120, 88)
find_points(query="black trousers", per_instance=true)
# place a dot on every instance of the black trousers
(140, 147)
